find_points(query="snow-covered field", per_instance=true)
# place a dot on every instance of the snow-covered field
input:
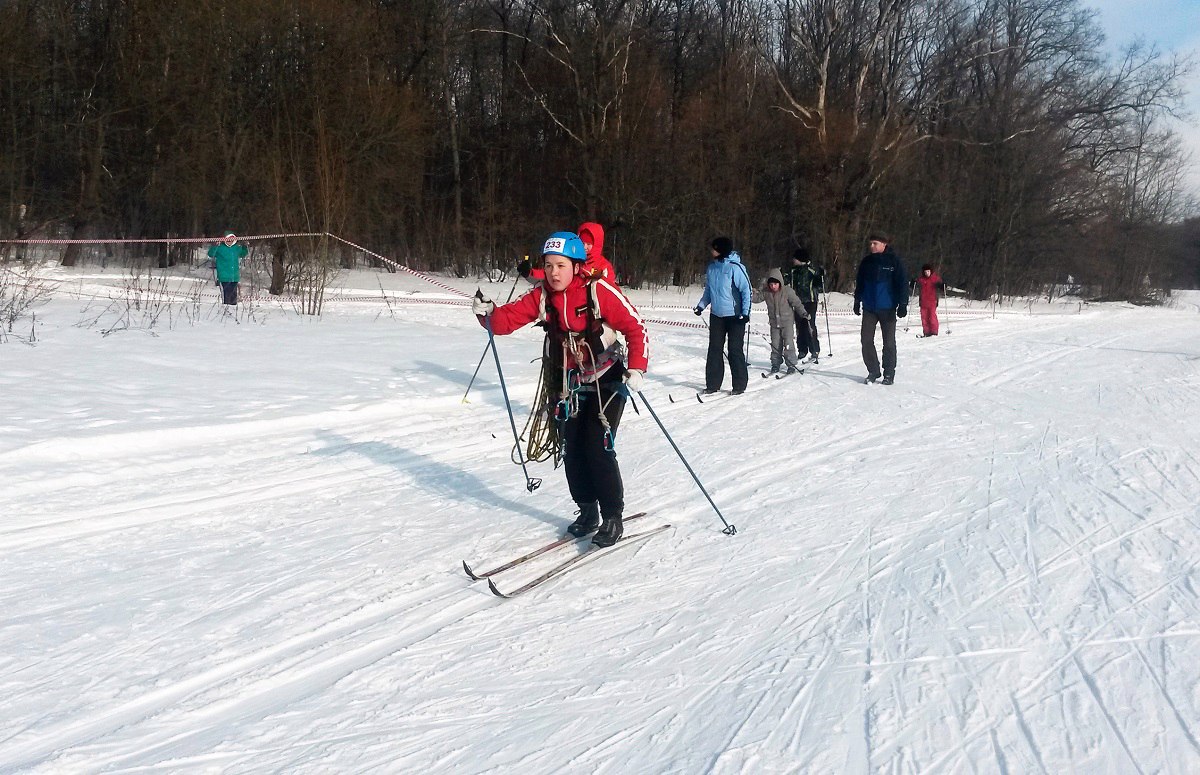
(234, 546)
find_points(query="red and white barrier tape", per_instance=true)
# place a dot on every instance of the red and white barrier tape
(154, 240)
(400, 266)
(427, 278)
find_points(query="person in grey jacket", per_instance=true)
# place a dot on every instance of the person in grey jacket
(727, 289)
(783, 308)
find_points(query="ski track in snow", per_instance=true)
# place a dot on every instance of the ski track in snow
(987, 567)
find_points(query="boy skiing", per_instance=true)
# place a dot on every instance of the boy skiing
(783, 306)
(807, 281)
(592, 371)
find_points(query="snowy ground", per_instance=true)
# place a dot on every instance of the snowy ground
(234, 546)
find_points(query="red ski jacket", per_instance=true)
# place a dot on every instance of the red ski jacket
(587, 316)
(928, 287)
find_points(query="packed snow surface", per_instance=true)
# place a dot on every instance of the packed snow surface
(234, 544)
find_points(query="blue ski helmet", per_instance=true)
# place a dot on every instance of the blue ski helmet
(565, 243)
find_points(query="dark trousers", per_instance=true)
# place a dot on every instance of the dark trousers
(719, 330)
(886, 320)
(592, 471)
(229, 293)
(807, 340)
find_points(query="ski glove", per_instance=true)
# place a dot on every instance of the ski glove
(633, 380)
(901, 311)
(482, 305)
(699, 311)
(523, 268)
(857, 308)
(743, 318)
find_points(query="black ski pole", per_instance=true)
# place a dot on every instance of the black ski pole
(729, 529)
(946, 309)
(531, 483)
(828, 338)
(489, 344)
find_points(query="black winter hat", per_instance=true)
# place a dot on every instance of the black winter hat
(723, 246)
(800, 254)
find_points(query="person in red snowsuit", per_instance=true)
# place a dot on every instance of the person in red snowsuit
(592, 236)
(590, 376)
(928, 284)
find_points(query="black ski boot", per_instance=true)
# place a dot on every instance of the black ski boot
(610, 532)
(587, 521)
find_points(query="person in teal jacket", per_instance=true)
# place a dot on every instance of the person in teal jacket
(227, 256)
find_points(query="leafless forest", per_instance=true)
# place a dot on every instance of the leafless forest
(993, 138)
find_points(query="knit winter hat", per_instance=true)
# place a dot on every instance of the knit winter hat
(800, 254)
(723, 246)
(927, 266)
(878, 236)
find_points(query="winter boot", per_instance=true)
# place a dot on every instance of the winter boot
(889, 380)
(610, 532)
(588, 520)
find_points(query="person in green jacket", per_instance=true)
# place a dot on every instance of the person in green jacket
(227, 256)
(807, 280)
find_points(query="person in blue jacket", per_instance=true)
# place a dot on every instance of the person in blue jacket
(227, 256)
(880, 296)
(727, 289)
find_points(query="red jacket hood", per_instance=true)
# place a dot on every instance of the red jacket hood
(595, 233)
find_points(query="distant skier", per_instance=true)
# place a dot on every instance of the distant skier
(592, 236)
(808, 281)
(589, 364)
(928, 285)
(783, 307)
(227, 255)
(727, 288)
(880, 296)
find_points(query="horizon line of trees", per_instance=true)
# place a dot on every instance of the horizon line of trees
(991, 138)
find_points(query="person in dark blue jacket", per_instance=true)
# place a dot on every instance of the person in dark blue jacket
(727, 289)
(880, 296)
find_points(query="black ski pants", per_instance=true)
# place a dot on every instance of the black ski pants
(593, 475)
(229, 293)
(807, 340)
(721, 330)
(886, 320)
